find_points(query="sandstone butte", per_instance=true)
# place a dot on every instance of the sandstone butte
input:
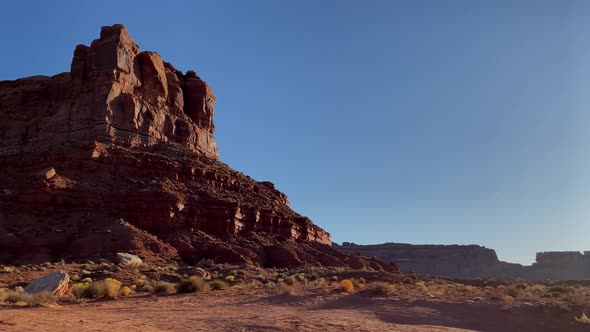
(118, 155)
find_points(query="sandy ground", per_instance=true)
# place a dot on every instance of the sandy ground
(247, 310)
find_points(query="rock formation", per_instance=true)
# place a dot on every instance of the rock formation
(56, 283)
(118, 155)
(467, 261)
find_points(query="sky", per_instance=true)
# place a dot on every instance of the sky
(383, 121)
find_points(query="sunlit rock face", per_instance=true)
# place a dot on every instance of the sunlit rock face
(134, 167)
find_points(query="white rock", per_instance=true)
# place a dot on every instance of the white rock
(128, 259)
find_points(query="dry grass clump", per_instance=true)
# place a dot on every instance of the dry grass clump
(439, 290)
(511, 291)
(164, 287)
(105, 288)
(22, 299)
(346, 285)
(42, 298)
(230, 278)
(218, 285)
(380, 288)
(192, 285)
(284, 289)
(583, 319)
(319, 283)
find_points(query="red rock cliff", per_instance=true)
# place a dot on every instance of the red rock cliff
(119, 154)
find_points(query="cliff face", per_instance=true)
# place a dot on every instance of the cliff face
(114, 94)
(467, 261)
(119, 155)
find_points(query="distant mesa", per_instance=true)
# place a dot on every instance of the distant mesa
(118, 155)
(469, 261)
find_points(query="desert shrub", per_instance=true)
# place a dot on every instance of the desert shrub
(75, 278)
(438, 290)
(164, 287)
(320, 283)
(147, 288)
(284, 290)
(511, 291)
(290, 281)
(86, 280)
(85, 273)
(79, 289)
(230, 278)
(557, 290)
(508, 298)
(218, 285)
(421, 285)
(346, 285)
(125, 291)
(15, 297)
(111, 287)
(533, 290)
(42, 298)
(380, 288)
(94, 290)
(193, 284)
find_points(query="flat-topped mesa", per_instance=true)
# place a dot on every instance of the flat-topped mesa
(475, 261)
(114, 94)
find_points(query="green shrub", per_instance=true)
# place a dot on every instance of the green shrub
(79, 289)
(230, 278)
(94, 290)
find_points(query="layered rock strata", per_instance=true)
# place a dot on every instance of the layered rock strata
(468, 261)
(118, 155)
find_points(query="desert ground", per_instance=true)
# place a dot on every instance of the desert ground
(257, 299)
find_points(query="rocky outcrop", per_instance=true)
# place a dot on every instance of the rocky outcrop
(467, 261)
(118, 155)
(55, 283)
(126, 259)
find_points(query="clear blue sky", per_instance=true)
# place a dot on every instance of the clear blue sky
(403, 121)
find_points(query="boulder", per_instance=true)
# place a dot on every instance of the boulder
(128, 259)
(55, 283)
